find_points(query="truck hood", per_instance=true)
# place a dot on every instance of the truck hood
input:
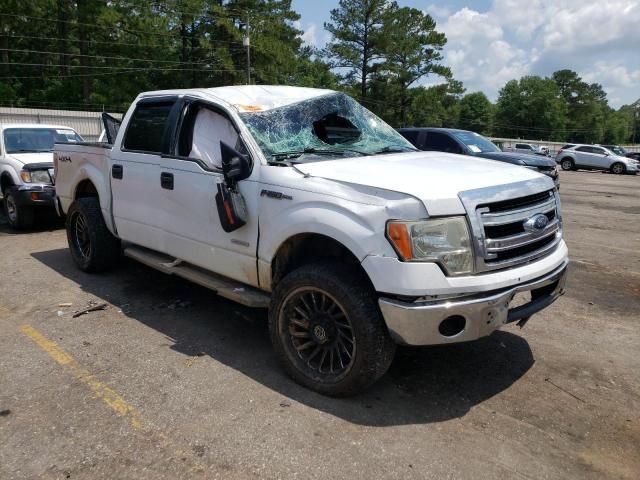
(27, 158)
(519, 158)
(435, 178)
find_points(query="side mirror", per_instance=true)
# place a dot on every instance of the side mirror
(235, 165)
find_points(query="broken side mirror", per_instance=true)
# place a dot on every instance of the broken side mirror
(232, 210)
(235, 165)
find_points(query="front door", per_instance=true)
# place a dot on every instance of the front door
(192, 228)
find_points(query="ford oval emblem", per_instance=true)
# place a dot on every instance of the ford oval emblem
(536, 224)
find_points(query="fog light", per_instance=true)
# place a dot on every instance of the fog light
(452, 325)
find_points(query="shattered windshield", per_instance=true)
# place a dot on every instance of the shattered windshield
(329, 125)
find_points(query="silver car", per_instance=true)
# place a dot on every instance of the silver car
(595, 157)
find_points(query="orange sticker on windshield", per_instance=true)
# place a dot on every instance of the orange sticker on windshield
(250, 108)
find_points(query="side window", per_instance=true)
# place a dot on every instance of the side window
(146, 130)
(597, 151)
(440, 142)
(521, 145)
(201, 133)
(411, 135)
(585, 149)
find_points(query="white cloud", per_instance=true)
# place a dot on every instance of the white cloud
(310, 34)
(438, 11)
(512, 38)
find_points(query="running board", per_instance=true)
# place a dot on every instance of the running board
(227, 288)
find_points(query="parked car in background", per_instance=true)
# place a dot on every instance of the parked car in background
(594, 157)
(465, 142)
(528, 148)
(633, 155)
(26, 168)
(617, 149)
(302, 201)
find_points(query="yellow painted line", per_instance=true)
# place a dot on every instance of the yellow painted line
(102, 391)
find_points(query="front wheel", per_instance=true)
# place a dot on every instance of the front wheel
(327, 330)
(618, 168)
(93, 247)
(19, 217)
(567, 164)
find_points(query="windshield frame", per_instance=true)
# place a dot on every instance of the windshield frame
(315, 149)
(27, 130)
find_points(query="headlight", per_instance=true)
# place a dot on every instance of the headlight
(35, 176)
(442, 240)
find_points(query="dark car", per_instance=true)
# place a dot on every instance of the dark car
(634, 155)
(465, 142)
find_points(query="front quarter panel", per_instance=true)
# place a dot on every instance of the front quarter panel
(353, 215)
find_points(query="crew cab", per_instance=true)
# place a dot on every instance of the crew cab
(302, 201)
(464, 142)
(26, 168)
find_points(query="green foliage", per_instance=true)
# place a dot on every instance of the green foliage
(533, 107)
(357, 45)
(476, 113)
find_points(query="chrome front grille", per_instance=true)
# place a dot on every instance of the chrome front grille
(498, 219)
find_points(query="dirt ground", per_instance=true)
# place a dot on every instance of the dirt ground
(170, 381)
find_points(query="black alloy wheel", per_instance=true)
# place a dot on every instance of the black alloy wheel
(320, 332)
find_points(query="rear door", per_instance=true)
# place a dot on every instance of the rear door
(135, 172)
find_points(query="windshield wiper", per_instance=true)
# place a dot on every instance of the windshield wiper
(395, 150)
(317, 151)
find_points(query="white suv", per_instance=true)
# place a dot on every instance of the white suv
(26, 168)
(595, 157)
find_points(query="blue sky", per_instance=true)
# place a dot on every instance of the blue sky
(493, 41)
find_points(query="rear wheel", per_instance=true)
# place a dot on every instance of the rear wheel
(328, 331)
(19, 217)
(618, 168)
(567, 164)
(93, 247)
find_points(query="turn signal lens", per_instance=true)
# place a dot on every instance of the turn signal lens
(399, 237)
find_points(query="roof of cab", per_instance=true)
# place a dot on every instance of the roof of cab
(249, 98)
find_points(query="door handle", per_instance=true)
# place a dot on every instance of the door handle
(166, 180)
(116, 171)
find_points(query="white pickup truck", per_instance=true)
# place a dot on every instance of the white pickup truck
(26, 168)
(303, 201)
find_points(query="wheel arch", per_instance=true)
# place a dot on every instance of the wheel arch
(305, 248)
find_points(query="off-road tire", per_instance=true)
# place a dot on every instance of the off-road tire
(19, 218)
(567, 164)
(373, 347)
(618, 168)
(104, 249)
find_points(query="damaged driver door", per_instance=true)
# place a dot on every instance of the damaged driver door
(192, 179)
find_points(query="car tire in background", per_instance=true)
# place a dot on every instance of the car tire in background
(327, 329)
(618, 168)
(19, 217)
(567, 164)
(93, 247)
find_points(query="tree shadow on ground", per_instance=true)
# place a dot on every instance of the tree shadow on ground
(423, 385)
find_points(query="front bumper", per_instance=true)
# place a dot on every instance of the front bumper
(473, 317)
(35, 195)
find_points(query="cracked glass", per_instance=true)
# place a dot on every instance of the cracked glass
(332, 125)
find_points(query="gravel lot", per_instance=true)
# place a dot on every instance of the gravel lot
(170, 381)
